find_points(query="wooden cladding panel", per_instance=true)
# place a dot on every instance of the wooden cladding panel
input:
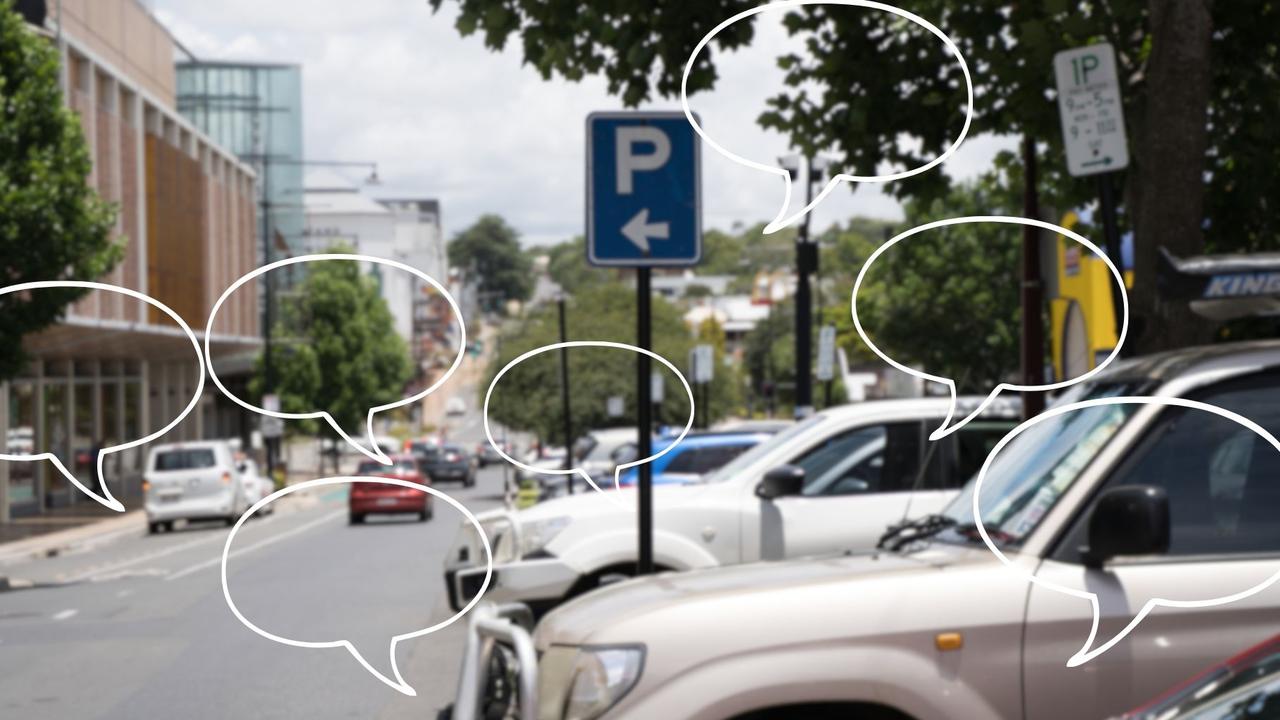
(175, 233)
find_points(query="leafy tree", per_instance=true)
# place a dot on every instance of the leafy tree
(528, 396)
(947, 300)
(491, 248)
(338, 348)
(567, 266)
(1198, 77)
(53, 226)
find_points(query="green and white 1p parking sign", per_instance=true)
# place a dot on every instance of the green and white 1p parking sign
(1089, 105)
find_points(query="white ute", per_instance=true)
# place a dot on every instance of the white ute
(193, 481)
(832, 482)
(1130, 502)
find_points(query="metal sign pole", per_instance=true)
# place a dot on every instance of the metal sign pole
(564, 397)
(644, 406)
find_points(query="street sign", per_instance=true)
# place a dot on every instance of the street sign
(644, 197)
(826, 352)
(270, 427)
(657, 388)
(615, 406)
(702, 360)
(1089, 105)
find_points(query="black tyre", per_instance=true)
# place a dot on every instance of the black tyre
(154, 528)
(168, 526)
(356, 519)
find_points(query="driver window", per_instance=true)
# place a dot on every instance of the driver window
(872, 459)
(1222, 480)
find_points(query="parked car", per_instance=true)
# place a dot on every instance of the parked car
(934, 626)
(456, 406)
(695, 456)
(193, 481)
(257, 486)
(487, 454)
(850, 471)
(369, 498)
(450, 461)
(1242, 687)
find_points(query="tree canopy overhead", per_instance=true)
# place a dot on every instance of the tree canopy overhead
(53, 226)
(1199, 86)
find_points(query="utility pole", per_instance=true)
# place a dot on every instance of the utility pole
(1032, 286)
(564, 394)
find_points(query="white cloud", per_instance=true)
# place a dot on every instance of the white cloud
(389, 81)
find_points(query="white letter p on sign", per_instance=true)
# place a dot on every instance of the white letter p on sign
(628, 163)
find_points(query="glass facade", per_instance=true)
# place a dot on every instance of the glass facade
(255, 111)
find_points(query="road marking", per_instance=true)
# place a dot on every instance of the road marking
(217, 561)
(96, 572)
(65, 615)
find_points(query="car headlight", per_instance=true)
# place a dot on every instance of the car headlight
(582, 683)
(536, 535)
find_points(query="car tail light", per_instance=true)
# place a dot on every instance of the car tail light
(452, 457)
(146, 486)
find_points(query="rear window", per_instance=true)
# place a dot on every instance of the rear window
(424, 449)
(194, 459)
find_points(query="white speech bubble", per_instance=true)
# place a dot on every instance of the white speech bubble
(781, 221)
(373, 451)
(488, 432)
(1085, 654)
(398, 683)
(944, 430)
(105, 498)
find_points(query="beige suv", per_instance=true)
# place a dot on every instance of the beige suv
(933, 626)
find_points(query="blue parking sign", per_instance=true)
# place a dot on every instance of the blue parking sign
(644, 190)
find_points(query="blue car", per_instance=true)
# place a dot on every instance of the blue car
(698, 455)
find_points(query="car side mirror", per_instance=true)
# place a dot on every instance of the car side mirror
(1128, 520)
(242, 468)
(782, 481)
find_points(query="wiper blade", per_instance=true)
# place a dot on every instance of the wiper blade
(909, 531)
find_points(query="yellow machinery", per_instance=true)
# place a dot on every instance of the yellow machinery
(1081, 314)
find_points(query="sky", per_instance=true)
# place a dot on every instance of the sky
(391, 82)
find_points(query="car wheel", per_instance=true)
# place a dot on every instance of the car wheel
(231, 520)
(469, 482)
(168, 525)
(356, 519)
(154, 528)
(424, 516)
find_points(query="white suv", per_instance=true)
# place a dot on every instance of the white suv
(832, 482)
(193, 481)
(1129, 502)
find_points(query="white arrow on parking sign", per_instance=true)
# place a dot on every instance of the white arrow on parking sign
(638, 230)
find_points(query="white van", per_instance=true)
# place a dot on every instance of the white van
(193, 481)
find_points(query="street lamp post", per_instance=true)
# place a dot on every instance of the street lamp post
(806, 265)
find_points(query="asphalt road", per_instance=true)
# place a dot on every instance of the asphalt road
(137, 626)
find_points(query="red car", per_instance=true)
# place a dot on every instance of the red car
(1245, 686)
(368, 498)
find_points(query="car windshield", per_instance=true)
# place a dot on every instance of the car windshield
(1034, 470)
(749, 458)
